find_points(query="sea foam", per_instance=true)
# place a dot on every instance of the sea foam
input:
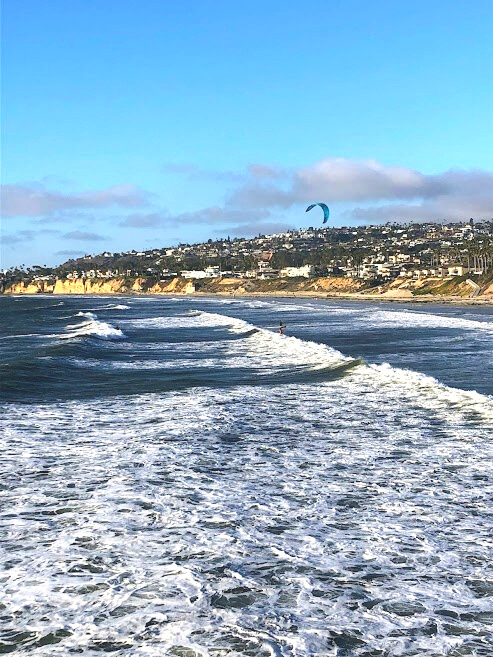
(92, 327)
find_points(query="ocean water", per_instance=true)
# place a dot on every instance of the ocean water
(176, 478)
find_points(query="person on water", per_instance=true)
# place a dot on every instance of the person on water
(281, 328)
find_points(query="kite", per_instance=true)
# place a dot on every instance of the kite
(324, 208)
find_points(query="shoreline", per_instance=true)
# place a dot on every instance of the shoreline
(484, 300)
(429, 291)
(445, 300)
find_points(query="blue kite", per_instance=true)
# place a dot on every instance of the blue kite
(324, 208)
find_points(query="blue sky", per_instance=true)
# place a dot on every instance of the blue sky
(132, 124)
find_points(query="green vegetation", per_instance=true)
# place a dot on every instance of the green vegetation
(375, 254)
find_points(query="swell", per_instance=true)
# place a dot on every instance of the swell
(411, 386)
(60, 379)
(83, 366)
(78, 366)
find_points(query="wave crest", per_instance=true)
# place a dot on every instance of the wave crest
(93, 327)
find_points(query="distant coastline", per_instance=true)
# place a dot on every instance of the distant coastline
(451, 290)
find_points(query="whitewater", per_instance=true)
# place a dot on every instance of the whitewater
(176, 478)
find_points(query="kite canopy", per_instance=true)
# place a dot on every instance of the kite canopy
(324, 208)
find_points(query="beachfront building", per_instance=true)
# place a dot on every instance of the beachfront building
(457, 270)
(387, 270)
(268, 274)
(428, 272)
(295, 272)
(208, 272)
(193, 273)
(212, 272)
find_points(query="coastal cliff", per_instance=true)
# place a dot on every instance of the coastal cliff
(98, 286)
(452, 286)
(308, 286)
(180, 285)
(29, 287)
(398, 289)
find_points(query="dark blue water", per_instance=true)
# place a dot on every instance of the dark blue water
(43, 358)
(179, 479)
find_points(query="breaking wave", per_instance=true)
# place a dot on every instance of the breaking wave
(413, 318)
(92, 327)
(118, 306)
(212, 488)
(273, 351)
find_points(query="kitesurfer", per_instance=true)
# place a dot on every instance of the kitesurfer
(281, 328)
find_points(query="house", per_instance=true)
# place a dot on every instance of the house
(457, 270)
(268, 274)
(292, 272)
(192, 273)
(212, 272)
(208, 272)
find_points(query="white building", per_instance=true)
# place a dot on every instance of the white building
(208, 272)
(457, 270)
(212, 272)
(268, 274)
(192, 273)
(292, 272)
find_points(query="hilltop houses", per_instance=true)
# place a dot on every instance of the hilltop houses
(370, 253)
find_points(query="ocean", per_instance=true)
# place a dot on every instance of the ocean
(177, 478)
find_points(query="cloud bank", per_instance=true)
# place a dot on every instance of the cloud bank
(35, 200)
(366, 190)
(211, 215)
(84, 236)
(261, 198)
(396, 193)
(27, 235)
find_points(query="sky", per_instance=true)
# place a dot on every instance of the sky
(136, 124)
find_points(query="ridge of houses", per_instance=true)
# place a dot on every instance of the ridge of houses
(384, 252)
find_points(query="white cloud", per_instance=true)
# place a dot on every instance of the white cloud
(68, 252)
(220, 215)
(453, 194)
(83, 236)
(211, 215)
(36, 201)
(255, 228)
(22, 236)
